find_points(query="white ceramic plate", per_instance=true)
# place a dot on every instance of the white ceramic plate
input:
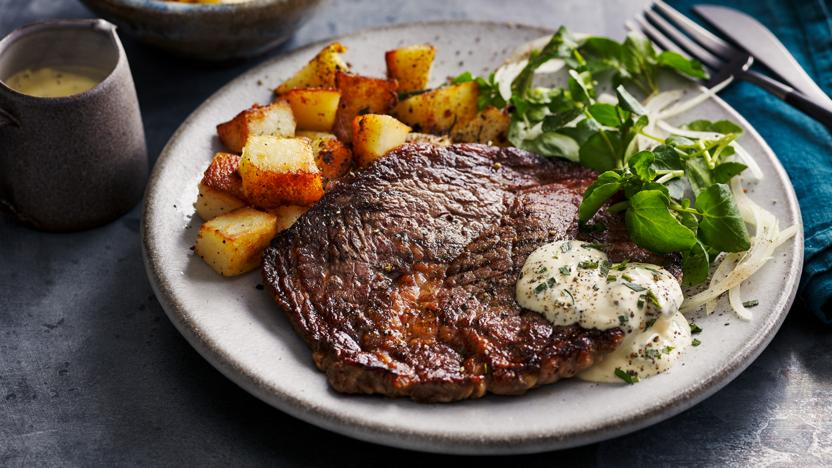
(243, 334)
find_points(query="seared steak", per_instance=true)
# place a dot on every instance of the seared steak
(401, 279)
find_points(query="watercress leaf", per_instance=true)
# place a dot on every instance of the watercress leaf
(554, 122)
(695, 265)
(601, 151)
(723, 173)
(605, 114)
(698, 174)
(641, 165)
(582, 131)
(679, 141)
(604, 187)
(553, 144)
(676, 188)
(463, 78)
(666, 158)
(720, 126)
(602, 54)
(628, 102)
(652, 226)
(683, 65)
(581, 86)
(721, 227)
(641, 45)
(689, 220)
(560, 45)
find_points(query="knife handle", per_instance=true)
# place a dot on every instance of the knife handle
(820, 111)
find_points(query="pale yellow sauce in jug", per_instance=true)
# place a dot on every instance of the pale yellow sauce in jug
(58, 81)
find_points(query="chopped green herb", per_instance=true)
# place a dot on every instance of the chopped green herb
(640, 303)
(623, 319)
(588, 264)
(653, 354)
(630, 377)
(565, 270)
(568, 293)
(695, 342)
(694, 328)
(668, 349)
(551, 281)
(619, 266)
(655, 300)
(634, 286)
(540, 288)
(605, 268)
(611, 278)
(649, 324)
(542, 270)
(751, 303)
(627, 277)
(566, 247)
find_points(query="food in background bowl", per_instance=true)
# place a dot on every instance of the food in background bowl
(212, 30)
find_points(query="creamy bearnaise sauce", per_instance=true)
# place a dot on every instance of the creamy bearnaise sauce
(58, 81)
(572, 282)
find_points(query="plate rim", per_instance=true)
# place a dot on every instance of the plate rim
(436, 441)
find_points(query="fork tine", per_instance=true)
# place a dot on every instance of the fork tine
(655, 35)
(682, 40)
(698, 33)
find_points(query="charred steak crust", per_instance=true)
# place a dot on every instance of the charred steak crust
(401, 279)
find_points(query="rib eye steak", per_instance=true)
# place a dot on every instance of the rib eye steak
(401, 279)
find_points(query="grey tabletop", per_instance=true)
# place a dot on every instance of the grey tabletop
(93, 373)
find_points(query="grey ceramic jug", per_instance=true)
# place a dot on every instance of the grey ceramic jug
(75, 162)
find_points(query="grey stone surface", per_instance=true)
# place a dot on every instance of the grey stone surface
(92, 373)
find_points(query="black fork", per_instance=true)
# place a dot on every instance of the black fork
(671, 30)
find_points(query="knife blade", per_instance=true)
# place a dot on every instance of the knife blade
(761, 43)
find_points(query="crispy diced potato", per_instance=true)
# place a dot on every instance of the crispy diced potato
(275, 119)
(314, 135)
(211, 202)
(314, 108)
(440, 140)
(440, 110)
(278, 171)
(333, 158)
(222, 175)
(489, 126)
(410, 66)
(361, 95)
(287, 215)
(233, 244)
(374, 135)
(319, 72)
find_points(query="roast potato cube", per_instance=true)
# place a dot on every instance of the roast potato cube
(314, 109)
(314, 135)
(279, 171)
(287, 215)
(374, 135)
(439, 140)
(441, 110)
(275, 119)
(211, 202)
(361, 95)
(233, 244)
(410, 66)
(319, 72)
(333, 158)
(489, 126)
(222, 175)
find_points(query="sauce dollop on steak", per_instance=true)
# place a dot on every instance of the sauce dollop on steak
(402, 278)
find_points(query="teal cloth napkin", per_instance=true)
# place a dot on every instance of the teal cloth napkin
(802, 145)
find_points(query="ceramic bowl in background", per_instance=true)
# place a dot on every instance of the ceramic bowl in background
(216, 32)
